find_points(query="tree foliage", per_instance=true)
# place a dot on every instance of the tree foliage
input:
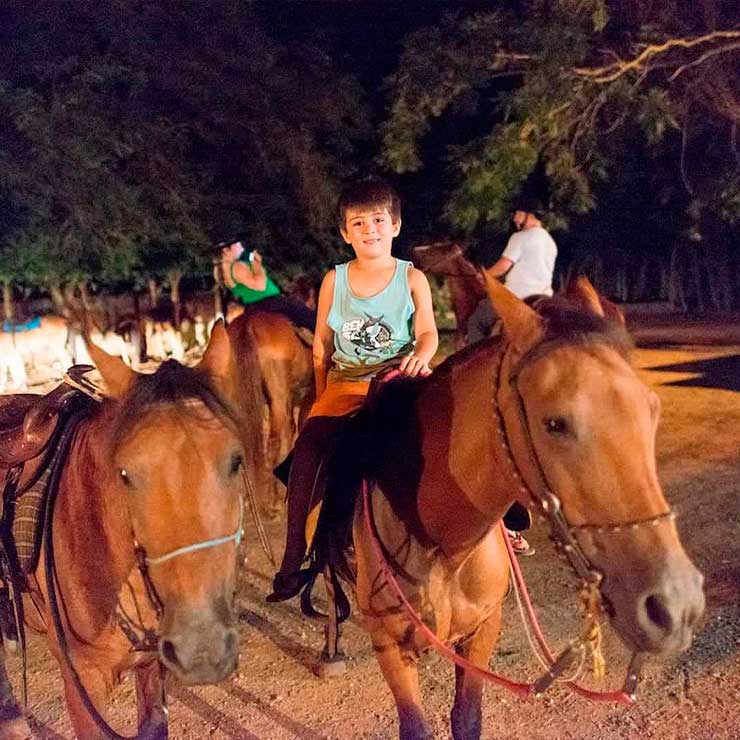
(562, 93)
(133, 135)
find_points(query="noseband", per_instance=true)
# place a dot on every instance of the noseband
(143, 561)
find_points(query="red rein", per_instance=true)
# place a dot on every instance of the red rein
(521, 689)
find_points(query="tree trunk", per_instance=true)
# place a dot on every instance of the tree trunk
(696, 274)
(153, 292)
(57, 298)
(139, 339)
(676, 295)
(175, 276)
(8, 306)
(85, 297)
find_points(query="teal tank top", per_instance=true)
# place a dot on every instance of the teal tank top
(370, 333)
(249, 295)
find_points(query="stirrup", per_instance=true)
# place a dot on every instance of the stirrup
(287, 585)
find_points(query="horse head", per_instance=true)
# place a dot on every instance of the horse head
(581, 428)
(435, 258)
(178, 462)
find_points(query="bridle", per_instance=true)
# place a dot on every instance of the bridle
(143, 561)
(562, 533)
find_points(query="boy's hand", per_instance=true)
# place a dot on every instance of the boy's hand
(413, 366)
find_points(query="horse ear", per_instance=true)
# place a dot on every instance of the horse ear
(582, 292)
(117, 375)
(522, 324)
(217, 357)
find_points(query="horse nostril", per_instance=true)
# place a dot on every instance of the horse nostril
(658, 613)
(169, 654)
(232, 643)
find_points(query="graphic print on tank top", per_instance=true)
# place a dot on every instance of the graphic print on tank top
(369, 334)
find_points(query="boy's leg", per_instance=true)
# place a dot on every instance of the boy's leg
(307, 477)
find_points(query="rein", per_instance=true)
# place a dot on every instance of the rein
(563, 536)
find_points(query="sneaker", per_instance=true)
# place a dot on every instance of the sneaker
(519, 545)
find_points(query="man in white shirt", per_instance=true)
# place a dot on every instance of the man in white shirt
(527, 262)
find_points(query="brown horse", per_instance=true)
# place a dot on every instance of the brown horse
(283, 375)
(464, 281)
(552, 415)
(146, 519)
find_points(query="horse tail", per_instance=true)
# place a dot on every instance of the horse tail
(249, 397)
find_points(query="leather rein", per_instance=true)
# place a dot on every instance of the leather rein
(562, 534)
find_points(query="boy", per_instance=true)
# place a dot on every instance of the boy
(374, 312)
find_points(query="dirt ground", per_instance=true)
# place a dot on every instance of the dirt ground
(276, 695)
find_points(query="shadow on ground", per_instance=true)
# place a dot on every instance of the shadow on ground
(722, 373)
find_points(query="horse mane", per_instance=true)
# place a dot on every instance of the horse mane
(174, 384)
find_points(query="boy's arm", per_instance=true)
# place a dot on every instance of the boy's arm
(425, 328)
(323, 336)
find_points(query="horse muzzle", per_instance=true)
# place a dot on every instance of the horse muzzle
(653, 594)
(199, 651)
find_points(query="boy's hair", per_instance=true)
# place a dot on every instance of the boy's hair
(368, 193)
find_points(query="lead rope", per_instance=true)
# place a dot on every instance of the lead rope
(557, 666)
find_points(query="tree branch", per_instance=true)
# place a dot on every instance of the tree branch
(612, 72)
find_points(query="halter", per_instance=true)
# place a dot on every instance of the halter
(143, 561)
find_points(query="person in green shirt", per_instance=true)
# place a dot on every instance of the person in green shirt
(249, 283)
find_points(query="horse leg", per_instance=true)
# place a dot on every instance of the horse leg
(13, 725)
(466, 711)
(399, 669)
(151, 701)
(332, 658)
(97, 690)
(280, 437)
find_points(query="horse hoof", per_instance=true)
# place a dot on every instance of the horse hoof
(330, 667)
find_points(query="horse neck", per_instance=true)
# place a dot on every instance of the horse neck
(466, 484)
(92, 530)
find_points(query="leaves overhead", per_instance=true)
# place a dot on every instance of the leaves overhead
(556, 96)
(133, 135)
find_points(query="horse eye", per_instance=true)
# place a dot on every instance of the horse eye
(555, 425)
(124, 477)
(236, 463)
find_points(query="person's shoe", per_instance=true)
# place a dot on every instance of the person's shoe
(287, 585)
(519, 545)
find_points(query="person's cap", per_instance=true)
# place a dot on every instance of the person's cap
(527, 204)
(226, 243)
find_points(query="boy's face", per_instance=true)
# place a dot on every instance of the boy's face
(370, 231)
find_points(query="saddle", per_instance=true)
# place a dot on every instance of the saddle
(28, 421)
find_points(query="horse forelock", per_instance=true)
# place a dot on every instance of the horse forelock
(572, 325)
(176, 386)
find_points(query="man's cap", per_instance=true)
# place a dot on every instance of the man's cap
(527, 204)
